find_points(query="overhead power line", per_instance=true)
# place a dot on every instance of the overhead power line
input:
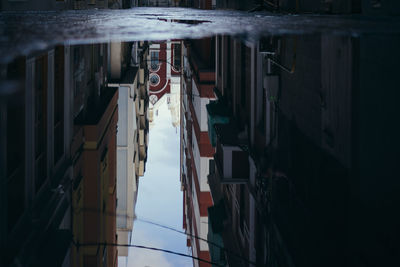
(146, 247)
(233, 253)
(199, 238)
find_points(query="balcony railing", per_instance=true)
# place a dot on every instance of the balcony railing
(142, 91)
(142, 122)
(141, 76)
(141, 138)
(217, 112)
(140, 168)
(141, 107)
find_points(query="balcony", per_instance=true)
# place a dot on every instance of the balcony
(142, 122)
(140, 159)
(142, 144)
(142, 91)
(231, 157)
(217, 112)
(141, 76)
(222, 233)
(141, 107)
(140, 168)
(141, 137)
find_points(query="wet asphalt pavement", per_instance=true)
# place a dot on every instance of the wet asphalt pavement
(23, 33)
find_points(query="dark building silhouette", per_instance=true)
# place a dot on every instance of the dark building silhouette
(296, 168)
(59, 125)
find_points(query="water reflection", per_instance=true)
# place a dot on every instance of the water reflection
(75, 139)
(298, 167)
(287, 149)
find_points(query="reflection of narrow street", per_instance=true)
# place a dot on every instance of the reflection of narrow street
(292, 149)
(281, 128)
(281, 144)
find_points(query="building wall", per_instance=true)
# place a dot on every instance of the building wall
(380, 7)
(35, 156)
(100, 227)
(21, 5)
(35, 5)
(94, 149)
(199, 104)
(306, 144)
(71, 123)
(125, 172)
(168, 88)
(197, 150)
(158, 3)
(127, 79)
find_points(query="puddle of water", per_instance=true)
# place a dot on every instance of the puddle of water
(226, 149)
(191, 22)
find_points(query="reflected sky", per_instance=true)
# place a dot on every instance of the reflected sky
(160, 199)
(312, 108)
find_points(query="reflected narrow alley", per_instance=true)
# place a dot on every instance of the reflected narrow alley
(186, 137)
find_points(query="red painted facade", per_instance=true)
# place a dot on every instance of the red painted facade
(199, 63)
(163, 87)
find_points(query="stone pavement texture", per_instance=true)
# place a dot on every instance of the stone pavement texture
(21, 33)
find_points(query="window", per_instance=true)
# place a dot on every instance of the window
(40, 121)
(219, 51)
(154, 79)
(154, 60)
(15, 149)
(153, 99)
(79, 67)
(58, 103)
(177, 56)
(243, 82)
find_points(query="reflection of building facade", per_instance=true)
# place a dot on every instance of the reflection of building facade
(95, 121)
(127, 74)
(164, 63)
(160, 3)
(67, 119)
(204, 4)
(287, 167)
(198, 80)
(368, 7)
(62, 180)
(36, 161)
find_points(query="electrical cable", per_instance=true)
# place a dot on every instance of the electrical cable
(197, 237)
(146, 247)
(233, 253)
